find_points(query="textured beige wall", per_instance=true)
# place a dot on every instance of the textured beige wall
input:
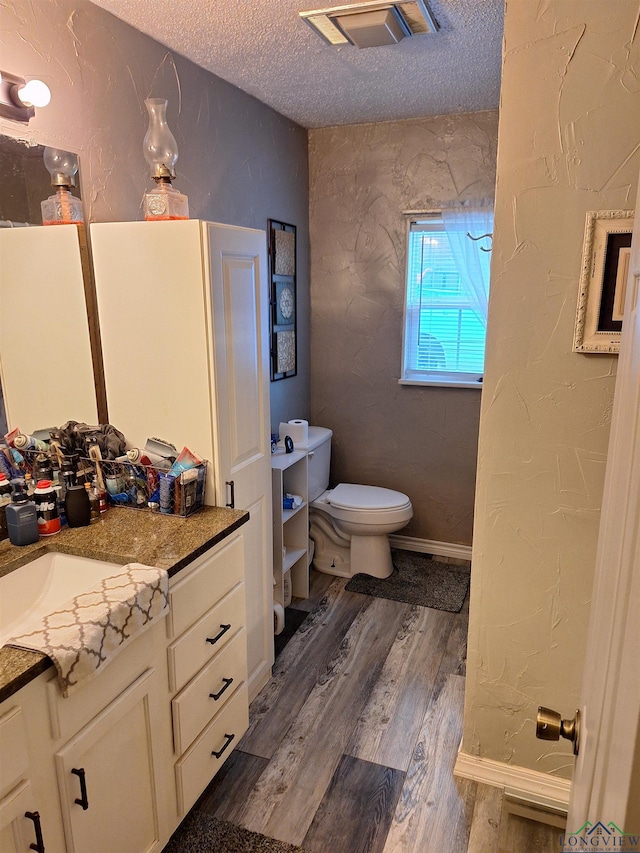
(240, 162)
(569, 142)
(421, 441)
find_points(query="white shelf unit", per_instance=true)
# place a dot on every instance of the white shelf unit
(290, 526)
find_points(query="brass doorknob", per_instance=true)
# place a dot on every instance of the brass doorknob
(550, 726)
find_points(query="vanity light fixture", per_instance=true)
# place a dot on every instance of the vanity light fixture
(19, 98)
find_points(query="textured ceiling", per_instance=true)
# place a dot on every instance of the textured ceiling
(266, 49)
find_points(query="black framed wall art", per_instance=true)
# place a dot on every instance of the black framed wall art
(282, 281)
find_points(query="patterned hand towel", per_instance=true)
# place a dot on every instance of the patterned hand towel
(86, 633)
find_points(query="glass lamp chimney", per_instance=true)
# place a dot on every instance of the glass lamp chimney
(161, 153)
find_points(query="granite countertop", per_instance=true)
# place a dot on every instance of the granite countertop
(120, 536)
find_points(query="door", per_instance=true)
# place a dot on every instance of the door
(184, 320)
(606, 785)
(106, 778)
(17, 831)
(239, 311)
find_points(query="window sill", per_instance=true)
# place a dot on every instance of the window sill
(442, 383)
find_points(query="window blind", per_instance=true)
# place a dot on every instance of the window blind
(444, 338)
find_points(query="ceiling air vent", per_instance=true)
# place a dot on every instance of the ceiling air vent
(372, 24)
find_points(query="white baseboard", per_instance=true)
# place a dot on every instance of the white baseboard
(530, 785)
(430, 546)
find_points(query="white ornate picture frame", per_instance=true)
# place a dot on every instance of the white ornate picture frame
(603, 278)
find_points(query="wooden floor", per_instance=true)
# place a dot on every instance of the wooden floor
(352, 742)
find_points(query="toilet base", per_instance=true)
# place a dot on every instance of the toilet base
(346, 556)
(371, 555)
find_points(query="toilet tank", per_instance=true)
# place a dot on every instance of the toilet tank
(318, 446)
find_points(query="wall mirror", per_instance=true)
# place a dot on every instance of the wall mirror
(26, 183)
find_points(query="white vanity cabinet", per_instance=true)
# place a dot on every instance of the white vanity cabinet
(183, 312)
(290, 526)
(94, 765)
(117, 764)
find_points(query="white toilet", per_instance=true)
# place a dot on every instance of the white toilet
(350, 524)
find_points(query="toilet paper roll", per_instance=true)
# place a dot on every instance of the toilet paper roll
(278, 618)
(297, 429)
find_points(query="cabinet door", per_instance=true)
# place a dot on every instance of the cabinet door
(17, 831)
(239, 305)
(184, 322)
(106, 778)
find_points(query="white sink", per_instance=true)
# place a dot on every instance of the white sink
(43, 585)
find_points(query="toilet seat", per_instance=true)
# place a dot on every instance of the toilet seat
(349, 496)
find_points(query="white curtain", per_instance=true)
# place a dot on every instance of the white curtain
(472, 262)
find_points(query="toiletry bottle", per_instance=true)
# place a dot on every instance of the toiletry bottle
(167, 488)
(102, 498)
(77, 506)
(67, 475)
(43, 469)
(22, 518)
(5, 499)
(5, 464)
(28, 442)
(94, 499)
(46, 502)
(57, 488)
(29, 485)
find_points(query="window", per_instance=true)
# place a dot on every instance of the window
(446, 299)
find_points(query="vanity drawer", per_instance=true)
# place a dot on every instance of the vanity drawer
(206, 582)
(14, 759)
(209, 691)
(199, 765)
(205, 639)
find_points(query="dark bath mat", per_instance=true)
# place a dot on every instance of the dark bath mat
(417, 579)
(202, 833)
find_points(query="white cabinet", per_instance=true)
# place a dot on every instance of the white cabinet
(290, 526)
(46, 367)
(16, 835)
(117, 764)
(106, 778)
(20, 820)
(183, 310)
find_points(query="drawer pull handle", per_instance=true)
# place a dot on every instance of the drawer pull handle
(227, 683)
(215, 639)
(232, 488)
(228, 740)
(83, 801)
(39, 845)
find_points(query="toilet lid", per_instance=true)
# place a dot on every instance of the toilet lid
(350, 496)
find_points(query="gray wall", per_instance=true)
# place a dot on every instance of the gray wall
(418, 440)
(568, 143)
(240, 162)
